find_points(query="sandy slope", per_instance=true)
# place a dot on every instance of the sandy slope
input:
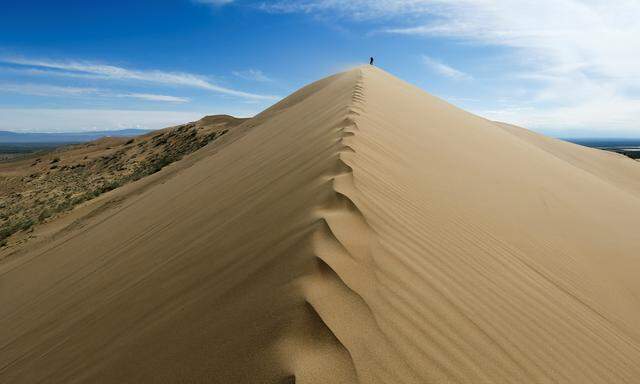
(359, 231)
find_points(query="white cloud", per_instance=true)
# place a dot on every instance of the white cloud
(443, 69)
(214, 2)
(357, 9)
(253, 74)
(154, 97)
(558, 36)
(615, 115)
(581, 57)
(111, 72)
(76, 120)
(45, 90)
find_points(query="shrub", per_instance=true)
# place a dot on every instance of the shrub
(26, 224)
(45, 214)
(6, 232)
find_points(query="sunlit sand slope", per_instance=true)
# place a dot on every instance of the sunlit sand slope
(360, 231)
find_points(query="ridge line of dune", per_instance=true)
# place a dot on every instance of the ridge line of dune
(342, 258)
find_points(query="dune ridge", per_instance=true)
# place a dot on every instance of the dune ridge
(359, 231)
(342, 245)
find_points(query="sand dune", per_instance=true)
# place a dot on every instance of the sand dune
(360, 230)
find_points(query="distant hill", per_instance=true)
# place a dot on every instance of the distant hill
(606, 142)
(65, 137)
(627, 147)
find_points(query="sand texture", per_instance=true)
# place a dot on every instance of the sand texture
(359, 231)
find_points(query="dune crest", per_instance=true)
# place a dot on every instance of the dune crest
(359, 231)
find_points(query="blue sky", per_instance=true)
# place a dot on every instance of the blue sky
(567, 68)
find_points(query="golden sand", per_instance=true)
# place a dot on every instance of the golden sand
(359, 231)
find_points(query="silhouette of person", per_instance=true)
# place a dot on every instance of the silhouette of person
(371, 61)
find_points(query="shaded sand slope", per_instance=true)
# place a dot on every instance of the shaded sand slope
(359, 231)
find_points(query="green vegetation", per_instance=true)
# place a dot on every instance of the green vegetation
(11, 227)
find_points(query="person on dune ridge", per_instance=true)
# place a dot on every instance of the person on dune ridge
(371, 61)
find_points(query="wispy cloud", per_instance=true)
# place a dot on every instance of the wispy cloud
(444, 69)
(253, 75)
(154, 97)
(74, 120)
(355, 9)
(614, 116)
(45, 90)
(577, 54)
(216, 3)
(111, 72)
